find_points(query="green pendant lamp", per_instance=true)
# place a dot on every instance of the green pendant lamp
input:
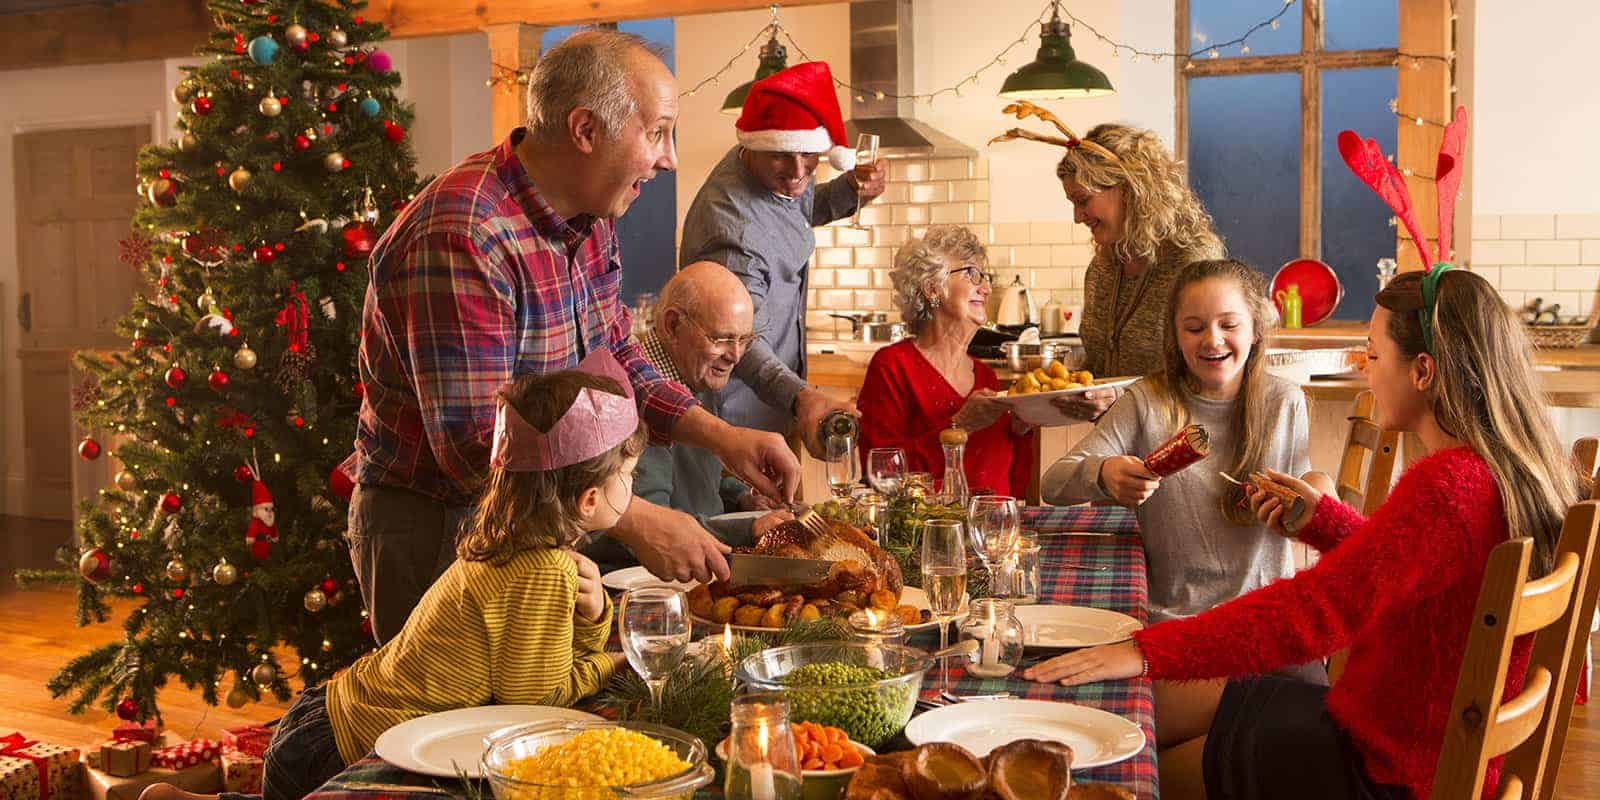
(1056, 73)
(774, 58)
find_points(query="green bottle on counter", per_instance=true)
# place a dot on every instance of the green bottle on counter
(1289, 305)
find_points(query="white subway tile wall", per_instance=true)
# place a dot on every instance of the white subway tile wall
(1552, 257)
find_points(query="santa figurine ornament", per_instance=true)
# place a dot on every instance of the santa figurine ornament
(263, 530)
(796, 111)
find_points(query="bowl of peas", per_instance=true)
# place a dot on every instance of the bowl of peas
(566, 760)
(868, 690)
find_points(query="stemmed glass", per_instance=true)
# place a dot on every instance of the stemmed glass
(993, 524)
(655, 634)
(944, 579)
(866, 154)
(844, 469)
(886, 469)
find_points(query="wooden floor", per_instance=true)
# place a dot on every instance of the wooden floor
(38, 635)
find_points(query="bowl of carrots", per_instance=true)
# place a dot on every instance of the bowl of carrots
(828, 758)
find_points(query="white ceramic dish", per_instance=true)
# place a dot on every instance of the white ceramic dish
(1036, 408)
(910, 595)
(1073, 626)
(638, 577)
(1096, 737)
(438, 743)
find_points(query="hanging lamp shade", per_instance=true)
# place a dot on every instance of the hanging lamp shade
(1056, 72)
(774, 58)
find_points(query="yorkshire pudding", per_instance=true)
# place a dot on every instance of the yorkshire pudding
(1031, 769)
(944, 771)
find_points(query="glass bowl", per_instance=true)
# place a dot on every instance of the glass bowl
(504, 746)
(871, 712)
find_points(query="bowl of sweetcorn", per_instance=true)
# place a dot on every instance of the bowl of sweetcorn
(566, 760)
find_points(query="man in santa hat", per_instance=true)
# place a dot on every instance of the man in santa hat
(755, 215)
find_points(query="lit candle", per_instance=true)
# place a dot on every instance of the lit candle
(727, 648)
(762, 785)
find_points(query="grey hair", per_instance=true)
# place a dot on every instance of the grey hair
(927, 260)
(590, 69)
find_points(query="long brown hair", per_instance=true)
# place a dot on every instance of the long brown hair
(525, 510)
(1486, 394)
(1174, 384)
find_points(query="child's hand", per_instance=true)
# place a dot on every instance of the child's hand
(617, 660)
(591, 602)
(1127, 480)
(1271, 510)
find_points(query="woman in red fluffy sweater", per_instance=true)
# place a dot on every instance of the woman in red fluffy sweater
(1397, 589)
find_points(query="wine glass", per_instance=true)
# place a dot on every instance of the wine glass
(844, 470)
(886, 469)
(866, 153)
(993, 524)
(944, 579)
(654, 632)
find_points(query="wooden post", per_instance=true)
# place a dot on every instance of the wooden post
(1424, 91)
(515, 47)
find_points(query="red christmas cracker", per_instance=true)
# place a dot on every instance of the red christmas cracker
(187, 754)
(1187, 446)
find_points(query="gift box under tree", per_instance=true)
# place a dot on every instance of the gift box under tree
(119, 758)
(241, 771)
(33, 770)
(187, 754)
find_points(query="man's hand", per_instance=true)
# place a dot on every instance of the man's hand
(671, 544)
(762, 460)
(810, 406)
(752, 500)
(591, 602)
(868, 180)
(766, 523)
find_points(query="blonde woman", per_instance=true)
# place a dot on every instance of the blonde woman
(916, 388)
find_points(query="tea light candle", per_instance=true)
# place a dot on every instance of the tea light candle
(871, 626)
(989, 664)
(762, 785)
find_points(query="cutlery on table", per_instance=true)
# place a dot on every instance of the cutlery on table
(1075, 565)
(951, 697)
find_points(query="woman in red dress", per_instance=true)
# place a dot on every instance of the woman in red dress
(918, 387)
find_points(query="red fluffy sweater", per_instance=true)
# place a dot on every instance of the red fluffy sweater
(1398, 589)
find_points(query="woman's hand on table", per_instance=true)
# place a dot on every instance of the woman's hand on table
(1271, 510)
(591, 601)
(1087, 406)
(1128, 480)
(979, 412)
(1104, 663)
(766, 523)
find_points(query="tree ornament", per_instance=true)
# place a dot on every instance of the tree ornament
(217, 380)
(200, 105)
(183, 92)
(379, 62)
(334, 162)
(262, 675)
(171, 503)
(175, 377)
(126, 480)
(393, 132)
(315, 601)
(164, 192)
(237, 697)
(328, 309)
(177, 571)
(88, 449)
(302, 142)
(269, 106)
(205, 247)
(265, 255)
(239, 178)
(263, 50)
(95, 565)
(187, 143)
(358, 239)
(370, 106)
(337, 38)
(127, 710)
(263, 529)
(295, 34)
(224, 573)
(243, 473)
(245, 358)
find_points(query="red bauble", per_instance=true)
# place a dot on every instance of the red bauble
(358, 239)
(171, 503)
(95, 565)
(177, 593)
(88, 449)
(361, 389)
(366, 626)
(265, 255)
(138, 588)
(201, 105)
(176, 376)
(243, 473)
(217, 380)
(394, 133)
(127, 709)
(329, 586)
(163, 192)
(301, 142)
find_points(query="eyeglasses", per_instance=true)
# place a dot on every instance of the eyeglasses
(974, 275)
(724, 343)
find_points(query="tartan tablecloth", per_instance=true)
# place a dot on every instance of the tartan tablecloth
(1121, 588)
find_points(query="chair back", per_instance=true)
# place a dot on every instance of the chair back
(1585, 454)
(1528, 728)
(1366, 437)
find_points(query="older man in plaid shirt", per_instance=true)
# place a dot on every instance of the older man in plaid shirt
(508, 264)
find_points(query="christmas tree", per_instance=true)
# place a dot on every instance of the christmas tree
(238, 395)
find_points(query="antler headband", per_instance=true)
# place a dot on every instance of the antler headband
(1024, 109)
(595, 422)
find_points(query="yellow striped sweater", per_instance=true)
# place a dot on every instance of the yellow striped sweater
(483, 633)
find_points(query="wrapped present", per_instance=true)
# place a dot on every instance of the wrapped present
(204, 778)
(119, 758)
(187, 754)
(241, 771)
(32, 770)
(249, 739)
(137, 732)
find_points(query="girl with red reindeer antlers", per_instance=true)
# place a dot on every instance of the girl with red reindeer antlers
(1450, 362)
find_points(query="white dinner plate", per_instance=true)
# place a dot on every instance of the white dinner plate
(437, 743)
(1096, 737)
(910, 595)
(1036, 408)
(738, 516)
(638, 577)
(1073, 626)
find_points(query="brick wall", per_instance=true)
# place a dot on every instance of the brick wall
(1553, 257)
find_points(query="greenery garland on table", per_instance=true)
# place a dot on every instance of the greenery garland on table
(901, 535)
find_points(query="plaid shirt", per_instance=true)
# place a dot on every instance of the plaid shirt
(479, 281)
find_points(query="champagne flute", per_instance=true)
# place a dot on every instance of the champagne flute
(993, 524)
(886, 469)
(944, 578)
(844, 470)
(654, 632)
(866, 153)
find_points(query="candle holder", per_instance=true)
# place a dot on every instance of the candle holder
(874, 627)
(994, 625)
(762, 761)
(872, 509)
(1024, 569)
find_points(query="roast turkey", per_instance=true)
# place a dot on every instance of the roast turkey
(860, 565)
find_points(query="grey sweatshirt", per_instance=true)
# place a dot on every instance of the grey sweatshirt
(1196, 557)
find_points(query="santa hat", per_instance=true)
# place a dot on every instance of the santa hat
(796, 111)
(259, 495)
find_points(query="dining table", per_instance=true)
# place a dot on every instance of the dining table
(1090, 556)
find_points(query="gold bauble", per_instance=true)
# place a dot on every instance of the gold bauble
(262, 675)
(224, 574)
(126, 481)
(239, 179)
(295, 34)
(333, 162)
(238, 697)
(187, 143)
(315, 601)
(245, 358)
(337, 38)
(269, 106)
(177, 571)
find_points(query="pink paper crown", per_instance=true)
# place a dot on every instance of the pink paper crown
(596, 422)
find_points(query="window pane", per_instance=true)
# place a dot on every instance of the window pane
(1355, 223)
(1244, 162)
(1360, 24)
(1213, 22)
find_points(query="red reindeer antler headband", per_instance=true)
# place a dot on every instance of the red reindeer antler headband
(1368, 163)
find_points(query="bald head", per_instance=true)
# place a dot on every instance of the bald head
(704, 319)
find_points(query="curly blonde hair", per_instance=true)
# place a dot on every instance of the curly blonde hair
(1159, 207)
(927, 260)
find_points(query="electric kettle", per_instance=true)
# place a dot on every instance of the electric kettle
(1016, 305)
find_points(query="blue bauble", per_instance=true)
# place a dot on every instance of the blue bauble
(263, 49)
(370, 107)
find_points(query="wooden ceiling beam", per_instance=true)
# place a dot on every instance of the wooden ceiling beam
(146, 29)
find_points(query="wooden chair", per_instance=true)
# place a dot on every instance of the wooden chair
(1365, 437)
(1585, 455)
(1530, 727)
